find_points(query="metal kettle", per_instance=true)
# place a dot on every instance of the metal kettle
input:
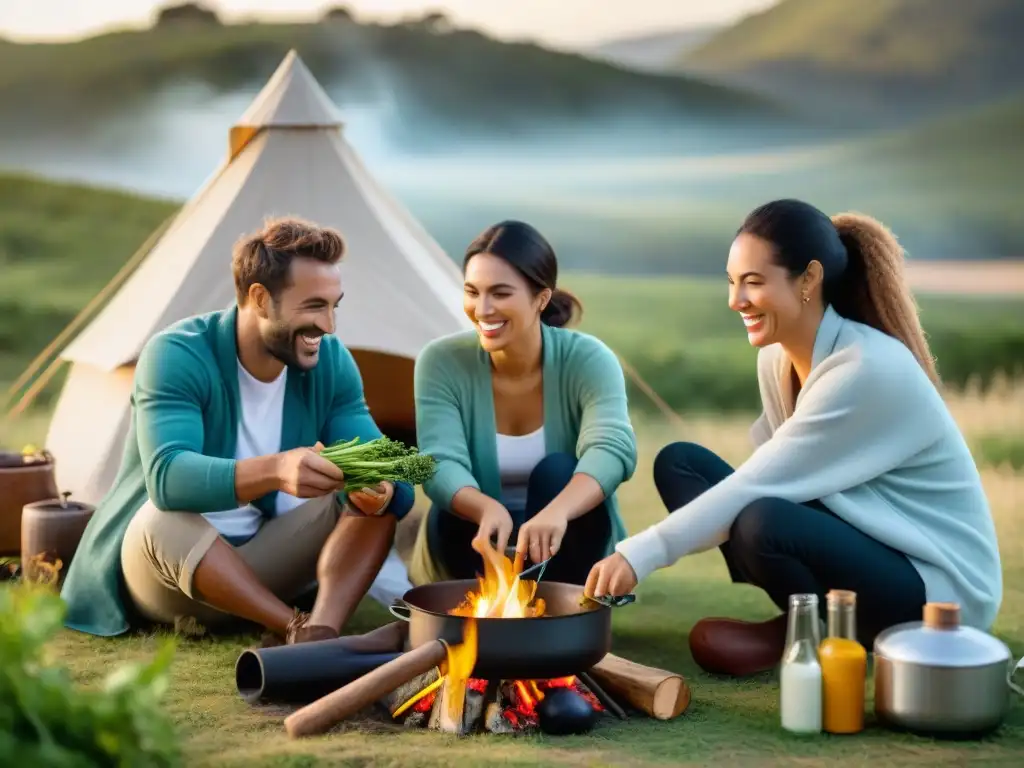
(939, 678)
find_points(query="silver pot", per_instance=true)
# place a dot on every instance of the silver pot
(939, 678)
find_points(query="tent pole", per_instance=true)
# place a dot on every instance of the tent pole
(648, 390)
(115, 282)
(30, 395)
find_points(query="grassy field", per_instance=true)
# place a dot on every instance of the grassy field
(680, 332)
(60, 244)
(729, 722)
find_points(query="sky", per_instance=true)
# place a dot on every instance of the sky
(559, 23)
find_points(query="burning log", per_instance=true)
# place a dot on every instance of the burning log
(495, 720)
(405, 697)
(452, 702)
(505, 707)
(326, 712)
(449, 715)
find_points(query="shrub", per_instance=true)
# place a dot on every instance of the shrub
(46, 720)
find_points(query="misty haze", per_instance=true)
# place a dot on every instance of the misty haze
(626, 170)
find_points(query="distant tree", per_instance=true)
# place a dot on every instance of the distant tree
(434, 22)
(193, 13)
(337, 13)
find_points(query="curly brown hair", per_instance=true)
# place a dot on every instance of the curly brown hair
(877, 292)
(863, 264)
(265, 256)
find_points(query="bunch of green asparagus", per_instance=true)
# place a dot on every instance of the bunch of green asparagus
(367, 464)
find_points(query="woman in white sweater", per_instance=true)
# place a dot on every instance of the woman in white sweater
(860, 478)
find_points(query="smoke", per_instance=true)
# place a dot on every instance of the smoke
(167, 142)
(628, 190)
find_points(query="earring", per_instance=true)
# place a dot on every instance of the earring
(806, 298)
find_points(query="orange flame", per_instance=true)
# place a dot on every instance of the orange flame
(461, 660)
(502, 594)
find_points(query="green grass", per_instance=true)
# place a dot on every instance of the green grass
(729, 722)
(883, 37)
(688, 345)
(60, 245)
(62, 256)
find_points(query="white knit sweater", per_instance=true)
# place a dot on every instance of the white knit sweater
(871, 437)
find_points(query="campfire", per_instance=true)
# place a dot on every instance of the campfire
(472, 660)
(457, 703)
(454, 702)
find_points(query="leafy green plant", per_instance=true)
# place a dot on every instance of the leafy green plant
(48, 720)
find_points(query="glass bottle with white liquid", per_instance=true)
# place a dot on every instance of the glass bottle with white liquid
(800, 675)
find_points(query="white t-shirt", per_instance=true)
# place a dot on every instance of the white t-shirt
(517, 457)
(259, 434)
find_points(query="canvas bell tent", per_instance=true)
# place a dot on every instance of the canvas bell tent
(287, 156)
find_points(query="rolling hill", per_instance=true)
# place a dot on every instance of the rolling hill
(432, 78)
(889, 56)
(655, 52)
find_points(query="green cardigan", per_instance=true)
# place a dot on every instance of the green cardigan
(181, 445)
(585, 415)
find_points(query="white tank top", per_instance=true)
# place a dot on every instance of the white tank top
(517, 456)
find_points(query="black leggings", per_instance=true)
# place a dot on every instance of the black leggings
(788, 548)
(585, 542)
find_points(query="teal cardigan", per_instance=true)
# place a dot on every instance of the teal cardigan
(585, 415)
(181, 445)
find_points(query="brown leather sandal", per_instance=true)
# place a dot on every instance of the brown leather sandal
(299, 630)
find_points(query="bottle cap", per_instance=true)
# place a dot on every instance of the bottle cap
(842, 597)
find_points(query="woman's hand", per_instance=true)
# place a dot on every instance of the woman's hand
(613, 576)
(541, 536)
(495, 521)
(373, 501)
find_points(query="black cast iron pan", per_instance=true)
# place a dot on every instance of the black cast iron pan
(570, 638)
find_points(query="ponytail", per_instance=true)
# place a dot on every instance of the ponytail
(561, 309)
(873, 290)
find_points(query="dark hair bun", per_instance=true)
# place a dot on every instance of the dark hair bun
(561, 309)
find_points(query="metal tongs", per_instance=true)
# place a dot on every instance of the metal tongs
(611, 601)
(607, 601)
(541, 565)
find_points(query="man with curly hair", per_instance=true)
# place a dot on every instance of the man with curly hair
(223, 507)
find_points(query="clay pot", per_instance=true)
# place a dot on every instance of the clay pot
(23, 480)
(50, 531)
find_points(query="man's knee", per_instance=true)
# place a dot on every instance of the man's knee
(167, 545)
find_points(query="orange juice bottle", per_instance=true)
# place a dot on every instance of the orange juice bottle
(843, 667)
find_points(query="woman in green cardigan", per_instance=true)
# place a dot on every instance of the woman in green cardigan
(527, 420)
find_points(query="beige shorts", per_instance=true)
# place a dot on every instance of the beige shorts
(161, 551)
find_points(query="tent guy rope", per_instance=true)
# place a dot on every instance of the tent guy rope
(60, 341)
